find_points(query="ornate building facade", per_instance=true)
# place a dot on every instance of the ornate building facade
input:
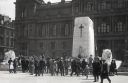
(7, 36)
(48, 28)
(44, 28)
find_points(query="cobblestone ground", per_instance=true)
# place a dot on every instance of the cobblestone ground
(5, 77)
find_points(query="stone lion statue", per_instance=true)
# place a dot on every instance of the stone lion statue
(107, 56)
(8, 55)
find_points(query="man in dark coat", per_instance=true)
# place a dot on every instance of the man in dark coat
(66, 66)
(83, 66)
(9, 62)
(61, 67)
(78, 67)
(23, 63)
(42, 66)
(112, 67)
(105, 72)
(26, 65)
(37, 71)
(96, 69)
(15, 65)
(73, 67)
(47, 65)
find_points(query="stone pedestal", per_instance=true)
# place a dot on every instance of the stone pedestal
(4, 67)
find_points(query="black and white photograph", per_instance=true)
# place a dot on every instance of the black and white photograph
(63, 41)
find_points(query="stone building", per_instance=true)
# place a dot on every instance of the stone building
(6, 35)
(44, 28)
(47, 28)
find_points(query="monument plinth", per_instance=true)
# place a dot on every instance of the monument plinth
(83, 38)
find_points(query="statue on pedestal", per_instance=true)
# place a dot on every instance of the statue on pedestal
(9, 54)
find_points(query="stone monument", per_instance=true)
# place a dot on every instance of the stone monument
(4, 65)
(83, 38)
(8, 55)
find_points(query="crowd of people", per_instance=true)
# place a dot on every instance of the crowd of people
(39, 65)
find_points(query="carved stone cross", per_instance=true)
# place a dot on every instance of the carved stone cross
(81, 27)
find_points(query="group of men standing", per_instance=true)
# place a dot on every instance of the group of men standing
(40, 65)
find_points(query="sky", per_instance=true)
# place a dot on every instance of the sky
(7, 7)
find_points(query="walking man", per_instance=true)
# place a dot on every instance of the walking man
(105, 72)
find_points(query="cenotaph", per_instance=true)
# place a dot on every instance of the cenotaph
(83, 38)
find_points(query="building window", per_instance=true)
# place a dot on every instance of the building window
(103, 28)
(7, 41)
(1, 22)
(98, 29)
(52, 45)
(90, 6)
(119, 27)
(70, 29)
(40, 31)
(12, 42)
(66, 29)
(53, 54)
(108, 5)
(52, 30)
(7, 33)
(55, 30)
(1, 40)
(41, 45)
(30, 29)
(120, 4)
(44, 30)
(62, 30)
(103, 5)
(76, 9)
(126, 3)
(12, 34)
(64, 45)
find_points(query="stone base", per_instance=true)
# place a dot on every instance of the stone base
(4, 67)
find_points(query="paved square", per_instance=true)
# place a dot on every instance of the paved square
(6, 77)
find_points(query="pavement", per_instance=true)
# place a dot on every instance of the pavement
(6, 77)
